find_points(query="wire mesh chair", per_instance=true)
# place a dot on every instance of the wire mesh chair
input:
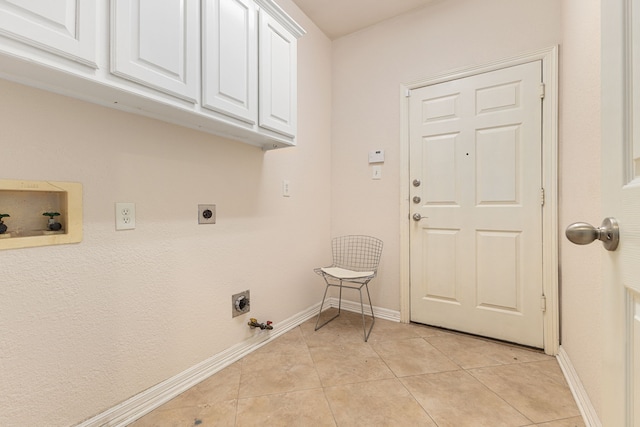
(355, 261)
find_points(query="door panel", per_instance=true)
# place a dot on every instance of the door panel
(65, 27)
(278, 77)
(621, 199)
(230, 58)
(476, 256)
(157, 44)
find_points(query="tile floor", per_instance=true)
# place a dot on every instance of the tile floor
(406, 375)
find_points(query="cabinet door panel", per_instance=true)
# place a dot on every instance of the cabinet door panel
(155, 43)
(230, 58)
(65, 28)
(278, 79)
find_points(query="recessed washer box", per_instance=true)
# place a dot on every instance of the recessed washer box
(29, 211)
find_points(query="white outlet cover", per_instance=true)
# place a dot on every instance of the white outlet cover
(125, 216)
(286, 188)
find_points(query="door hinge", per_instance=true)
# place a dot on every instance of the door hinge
(542, 197)
(542, 90)
(407, 94)
(543, 303)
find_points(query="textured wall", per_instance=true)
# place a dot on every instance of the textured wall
(369, 67)
(580, 172)
(84, 327)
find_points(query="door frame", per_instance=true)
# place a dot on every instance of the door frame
(550, 272)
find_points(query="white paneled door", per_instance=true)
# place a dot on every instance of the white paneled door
(476, 204)
(621, 200)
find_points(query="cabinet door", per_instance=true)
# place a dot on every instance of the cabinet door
(230, 58)
(156, 43)
(65, 28)
(278, 78)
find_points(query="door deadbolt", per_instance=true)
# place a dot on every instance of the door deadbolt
(416, 199)
(416, 183)
(608, 233)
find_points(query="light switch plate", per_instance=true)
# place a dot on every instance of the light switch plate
(376, 172)
(286, 188)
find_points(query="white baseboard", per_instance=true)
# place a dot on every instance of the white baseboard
(145, 402)
(587, 410)
(380, 313)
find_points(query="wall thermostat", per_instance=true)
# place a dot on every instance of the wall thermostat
(376, 156)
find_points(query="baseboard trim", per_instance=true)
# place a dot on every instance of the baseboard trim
(580, 395)
(152, 398)
(379, 312)
(156, 396)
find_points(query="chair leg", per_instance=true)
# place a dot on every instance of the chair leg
(373, 319)
(322, 305)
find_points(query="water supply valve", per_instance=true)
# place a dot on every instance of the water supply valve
(253, 323)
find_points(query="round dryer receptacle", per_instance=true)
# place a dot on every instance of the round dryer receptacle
(242, 303)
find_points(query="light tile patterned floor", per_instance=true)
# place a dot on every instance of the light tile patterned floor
(406, 375)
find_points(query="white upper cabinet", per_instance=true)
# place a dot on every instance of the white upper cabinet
(230, 58)
(156, 44)
(65, 28)
(278, 76)
(227, 67)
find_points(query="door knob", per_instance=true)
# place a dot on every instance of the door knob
(582, 233)
(418, 217)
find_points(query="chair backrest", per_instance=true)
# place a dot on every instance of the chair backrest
(358, 253)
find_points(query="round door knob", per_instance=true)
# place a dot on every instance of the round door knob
(416, 199)
(608, 233)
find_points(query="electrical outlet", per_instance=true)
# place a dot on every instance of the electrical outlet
(125, 216)
(240, 303)
(206, 214)
(286, 188)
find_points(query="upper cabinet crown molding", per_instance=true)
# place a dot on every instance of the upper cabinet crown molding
(195, 64)
(282, 17)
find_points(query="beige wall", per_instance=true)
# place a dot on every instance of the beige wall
(368, 68)
(84, 327)
(580, 173)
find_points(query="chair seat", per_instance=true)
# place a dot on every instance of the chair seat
(343, 273)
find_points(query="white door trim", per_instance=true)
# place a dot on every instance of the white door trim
(549, 58)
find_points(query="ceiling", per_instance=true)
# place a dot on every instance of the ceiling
(337, 18)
